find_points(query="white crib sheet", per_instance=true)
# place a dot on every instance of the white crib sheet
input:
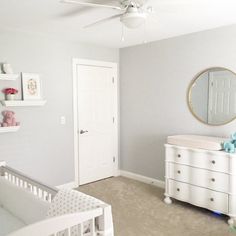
(8, 222)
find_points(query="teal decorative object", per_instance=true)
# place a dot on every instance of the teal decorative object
(233, 138)
(230, 146)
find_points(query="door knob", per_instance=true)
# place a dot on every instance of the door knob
(83, 131)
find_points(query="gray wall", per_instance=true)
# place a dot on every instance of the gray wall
(154, 82)
(43, 148)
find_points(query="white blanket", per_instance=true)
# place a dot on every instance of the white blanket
(72, 201)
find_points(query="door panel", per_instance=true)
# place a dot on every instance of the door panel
(96, 105)
(222, 97)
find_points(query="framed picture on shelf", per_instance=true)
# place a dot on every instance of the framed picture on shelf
(31, 86)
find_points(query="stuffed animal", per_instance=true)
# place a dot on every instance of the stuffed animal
(9, 119)
(233, 139)
(229, 147)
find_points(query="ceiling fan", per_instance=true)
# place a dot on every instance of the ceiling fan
(132, 13)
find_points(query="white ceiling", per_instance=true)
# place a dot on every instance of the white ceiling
(173, 18)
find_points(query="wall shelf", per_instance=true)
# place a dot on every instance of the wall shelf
(9, 129)
(22, 103)
(9, 76)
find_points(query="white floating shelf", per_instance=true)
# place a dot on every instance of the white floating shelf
(9, 76)
(22, 103)
(9, 129)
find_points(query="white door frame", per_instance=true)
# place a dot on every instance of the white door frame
(75, 63)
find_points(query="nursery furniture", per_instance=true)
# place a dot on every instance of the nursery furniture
(25, 202)
(202, 177)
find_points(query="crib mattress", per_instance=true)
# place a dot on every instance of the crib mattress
(8, 222)
(197, 141)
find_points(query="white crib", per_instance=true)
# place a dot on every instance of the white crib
(25, 202)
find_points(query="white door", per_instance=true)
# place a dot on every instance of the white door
(222, 96)
(97, 107)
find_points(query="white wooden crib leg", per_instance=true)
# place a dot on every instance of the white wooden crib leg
(105, 222)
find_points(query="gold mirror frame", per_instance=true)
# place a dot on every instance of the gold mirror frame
(189, 93)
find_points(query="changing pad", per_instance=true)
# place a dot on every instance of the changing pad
(197, 141)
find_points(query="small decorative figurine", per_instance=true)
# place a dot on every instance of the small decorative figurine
(9, 119)
(230, 146)
(7, 69)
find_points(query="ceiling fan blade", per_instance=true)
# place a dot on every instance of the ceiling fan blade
(91, 4)
(75, 12)
(102, 21)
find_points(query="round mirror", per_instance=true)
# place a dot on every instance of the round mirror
(212, 96)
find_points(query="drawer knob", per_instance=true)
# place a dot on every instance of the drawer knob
(179, 155)
(213, 180)
(178, 171)
(178, 189)
(212, 199)
(213, 162)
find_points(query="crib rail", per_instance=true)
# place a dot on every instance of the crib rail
(66, 225)
(37, 188)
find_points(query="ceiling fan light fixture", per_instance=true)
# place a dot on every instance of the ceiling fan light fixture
(133, 18)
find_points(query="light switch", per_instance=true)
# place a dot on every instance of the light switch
(63, 120)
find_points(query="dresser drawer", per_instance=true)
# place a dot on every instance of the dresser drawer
(211, 160)
(200, 177)
(198, 196)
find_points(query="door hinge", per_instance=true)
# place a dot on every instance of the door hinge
(114, 159)
(113, 80)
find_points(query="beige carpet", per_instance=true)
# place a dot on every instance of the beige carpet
(139, 210)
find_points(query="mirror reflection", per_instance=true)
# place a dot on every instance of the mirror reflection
(212, 96)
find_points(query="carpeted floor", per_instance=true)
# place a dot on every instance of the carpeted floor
(139, 210)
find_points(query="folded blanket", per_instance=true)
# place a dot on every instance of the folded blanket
(72, 201)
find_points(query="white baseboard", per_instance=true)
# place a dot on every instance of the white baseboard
(70, 185)
(144, 179)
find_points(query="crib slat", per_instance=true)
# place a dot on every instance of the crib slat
(81, 229)
(92, 227)
(69, 231)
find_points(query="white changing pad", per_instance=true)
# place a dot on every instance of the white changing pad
(197, 141)
(8, 222)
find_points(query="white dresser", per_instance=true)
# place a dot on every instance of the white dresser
(201, 177)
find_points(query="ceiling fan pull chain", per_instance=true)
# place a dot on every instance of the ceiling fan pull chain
(145, 32)
(122, 33)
